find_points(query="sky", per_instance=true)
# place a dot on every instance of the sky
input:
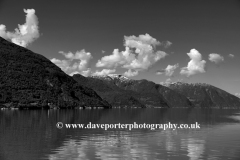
(194, 41)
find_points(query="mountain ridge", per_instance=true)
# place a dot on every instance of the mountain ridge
(175, 94)
(202, 94)
(146, 92)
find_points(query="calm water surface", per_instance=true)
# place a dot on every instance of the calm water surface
(32, 135)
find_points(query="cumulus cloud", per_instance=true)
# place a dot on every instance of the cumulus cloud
(111, 61)
(130, 73)
(24, 34)
(216, 58)
(75, 63)
(3, 32)
(195, 65)
(231, 55)
(140, 53)
(168, 81)
(104, 72)
(169, 70)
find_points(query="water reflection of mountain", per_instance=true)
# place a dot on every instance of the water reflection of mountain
(152, 145)
(33, 134)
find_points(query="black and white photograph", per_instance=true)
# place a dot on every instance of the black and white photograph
(120, 80)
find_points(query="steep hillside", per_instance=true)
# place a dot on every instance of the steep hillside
(205, 95)
(30, 79)
(120, 88)
(110, 92)
(174, 99)
(168, 95)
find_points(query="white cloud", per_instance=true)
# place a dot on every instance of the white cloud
(168, 81)
(24, 34)
(231, 55)
(140, 41)
(237, 94)
(3, 32)
(63, 64)
(216, 58)
(104, 72)
(160, 72)
(139, 54)
(82, 56)
(112, 60)
(169, 70)
(86, 72)
(130, 73)
(74, 63)
(195, 65)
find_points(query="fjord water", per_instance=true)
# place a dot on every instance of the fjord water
(32, 134)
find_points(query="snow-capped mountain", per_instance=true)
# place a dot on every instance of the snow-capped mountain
(111, 77)
(174, 94)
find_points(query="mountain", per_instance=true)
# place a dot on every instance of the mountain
(205, 95)
(28, 79)
(145, 87)
(118, 89)
(110, 92)
(114, 88)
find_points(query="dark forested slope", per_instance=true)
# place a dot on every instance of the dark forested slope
(30, 79)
